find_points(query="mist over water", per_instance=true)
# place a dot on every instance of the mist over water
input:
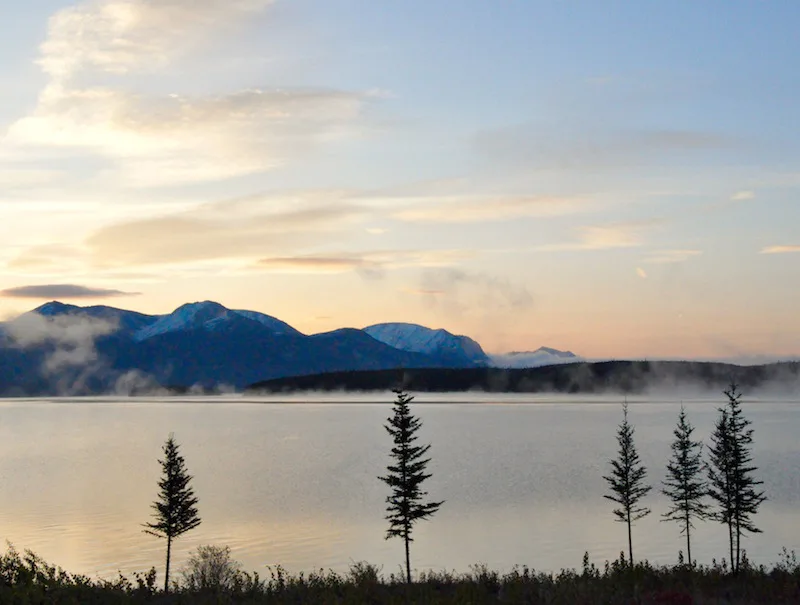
(293, 480)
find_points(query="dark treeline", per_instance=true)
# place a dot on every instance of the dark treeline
(602, 377)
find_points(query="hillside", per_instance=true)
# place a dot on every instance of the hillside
(630, 377)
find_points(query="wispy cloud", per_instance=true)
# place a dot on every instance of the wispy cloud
(72, 338)
(52, 291)
(604, 237)
(780, 249)
(741, 196)
(174, 139)
(425, 291)
(479, 294)
(370, 263)
(45, 258)
(576, 147)
(120, 36)
(482, 209)
(318, 264)
(236, 229)
(23, 176)
(671, 256)
(168, 139)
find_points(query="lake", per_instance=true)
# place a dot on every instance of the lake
(293, 481)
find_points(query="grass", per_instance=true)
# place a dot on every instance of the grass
(27, 579)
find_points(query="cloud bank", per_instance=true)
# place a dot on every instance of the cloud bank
(168, 139)
(780, 249)
(53, 291)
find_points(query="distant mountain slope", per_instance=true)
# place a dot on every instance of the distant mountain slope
(206, 315)
(67, 349)
(247, 351)
(191, 316)
(209, 316)
(459, 350)
(128, 321)
(612, 377)
(530, 359)
(275, 325)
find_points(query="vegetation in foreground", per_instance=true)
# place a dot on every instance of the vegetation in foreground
(211, 576)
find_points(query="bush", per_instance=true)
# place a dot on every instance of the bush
(211, 569)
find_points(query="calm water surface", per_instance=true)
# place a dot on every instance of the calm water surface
(294, 482)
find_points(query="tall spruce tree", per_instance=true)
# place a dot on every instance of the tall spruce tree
(626, 480)
(685, 484)
(719, 476)
(732, 484)
(175, 510)
(406, 475)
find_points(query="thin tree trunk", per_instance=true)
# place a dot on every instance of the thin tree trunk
(408, 560)
(407, 525)
(630, 541)
(738, 544)
(730, 539)
(166, 572)
(688, 540)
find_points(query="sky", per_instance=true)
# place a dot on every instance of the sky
(615, 178)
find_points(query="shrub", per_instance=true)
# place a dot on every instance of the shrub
(211, 569)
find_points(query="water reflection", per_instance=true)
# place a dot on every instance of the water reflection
(296, 484)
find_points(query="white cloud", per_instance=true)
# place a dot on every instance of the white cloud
(180, 139)
(73, 337)
(740, 196)
(12, 178)
(604, 237)
(455, 291)
(671, 256)
(780, 249)
(372, 263)
(467, 209)
(641, 272)
(120, 36)
(240, 229)
(167, 139)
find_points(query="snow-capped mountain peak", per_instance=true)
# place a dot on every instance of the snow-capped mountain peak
(186, 317)
(54, 308)
(543, 356)
(419, 339)
(209, 316)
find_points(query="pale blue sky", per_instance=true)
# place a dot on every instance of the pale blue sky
(615, 178)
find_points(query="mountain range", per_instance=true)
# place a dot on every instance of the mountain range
(67, 349)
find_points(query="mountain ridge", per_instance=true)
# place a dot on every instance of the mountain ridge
(208, 315)
(59, 348)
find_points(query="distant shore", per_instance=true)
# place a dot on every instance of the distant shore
(623, 377)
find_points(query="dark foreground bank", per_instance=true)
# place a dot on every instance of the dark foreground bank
(26, 579)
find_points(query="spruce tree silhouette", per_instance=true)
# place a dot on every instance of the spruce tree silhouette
(685, 483)
(406, 475)
(175, 510)
(626, 480)
(730, 473)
